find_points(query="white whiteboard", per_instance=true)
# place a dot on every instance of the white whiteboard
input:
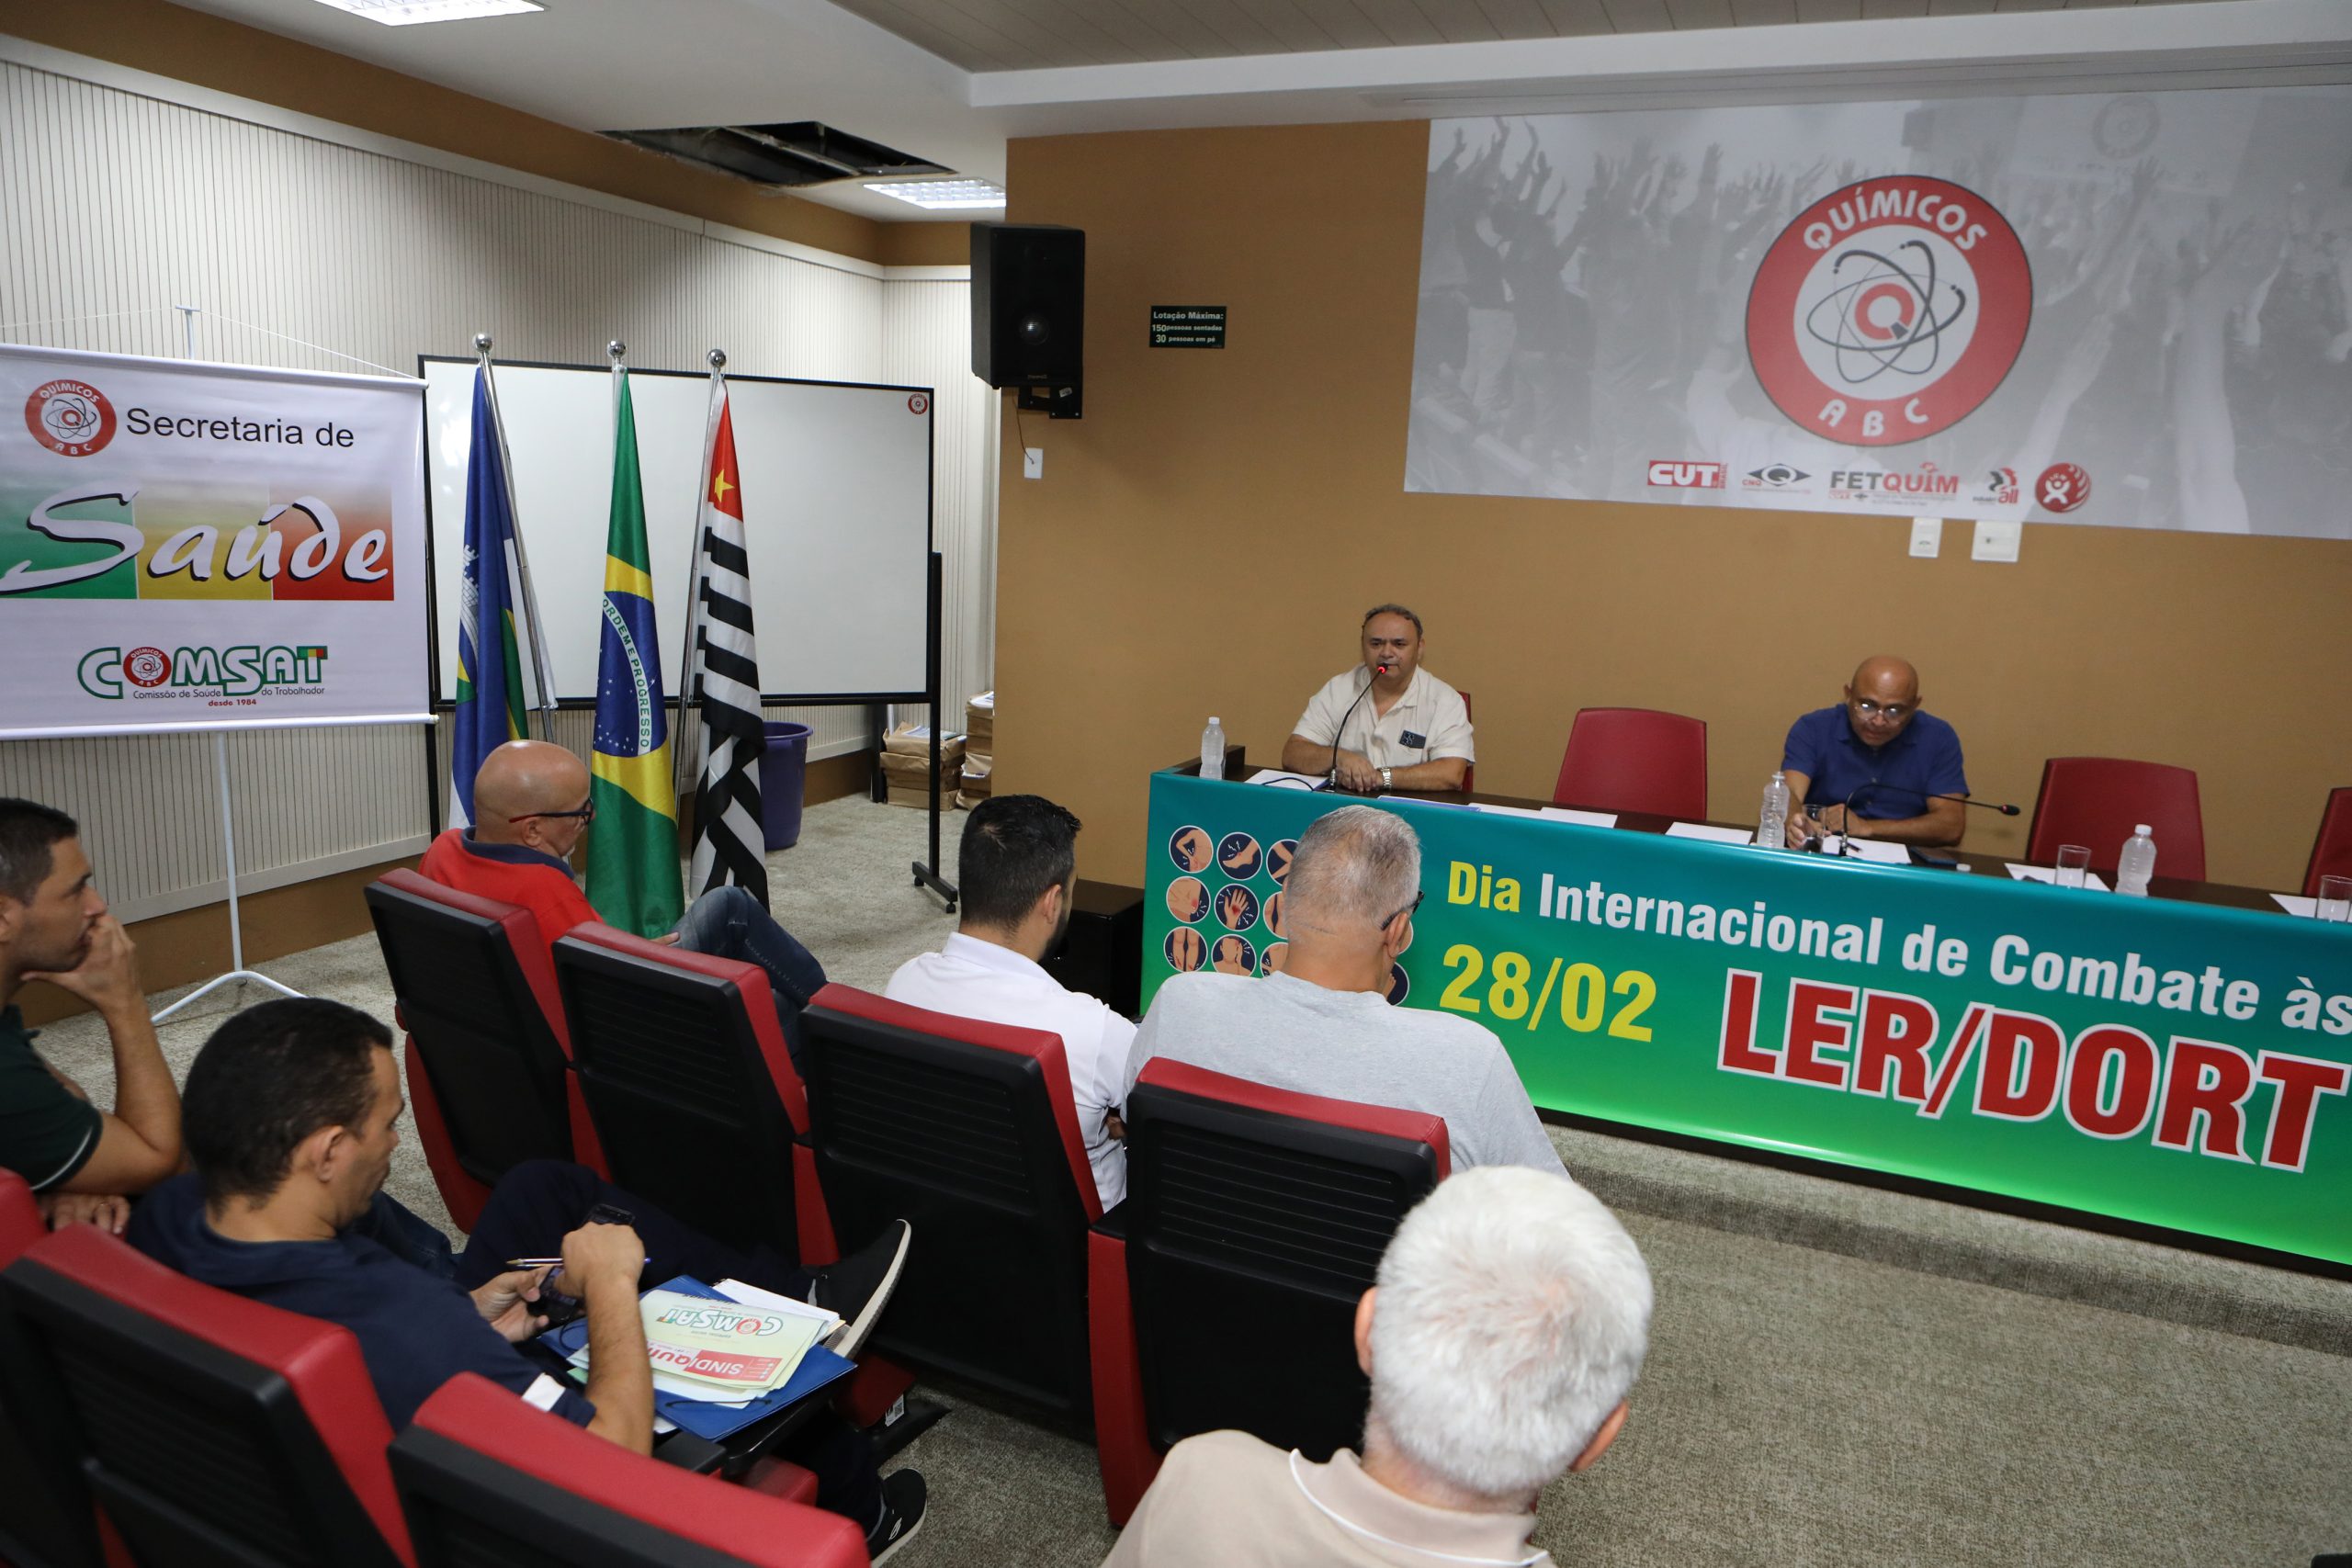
(836, 488)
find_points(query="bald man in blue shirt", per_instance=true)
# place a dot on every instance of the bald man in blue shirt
(1878, 751)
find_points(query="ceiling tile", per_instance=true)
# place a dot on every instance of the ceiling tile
(1400, 21)
(1345, 22)
(1635, 15)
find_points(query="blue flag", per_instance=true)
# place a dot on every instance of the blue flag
(489, 661)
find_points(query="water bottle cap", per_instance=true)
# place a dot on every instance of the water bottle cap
(1214, 719)
(1779, 777)
(2143, 830)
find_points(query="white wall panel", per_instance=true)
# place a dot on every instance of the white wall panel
(305, 251)
(926, 341)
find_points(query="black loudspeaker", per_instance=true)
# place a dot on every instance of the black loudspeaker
(1102, 952)
(1029, 313)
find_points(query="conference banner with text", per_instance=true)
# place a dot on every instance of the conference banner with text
(2129, 309)
(2172, 1064)
(186, 546)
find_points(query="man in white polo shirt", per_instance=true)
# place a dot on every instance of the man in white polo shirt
(1014, 875)
(1409, 731)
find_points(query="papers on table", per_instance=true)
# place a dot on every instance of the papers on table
(2295, 905)
(1551, 814)
(1712, 835)
(2049, 875)
(1876, 850)
(1280, 780)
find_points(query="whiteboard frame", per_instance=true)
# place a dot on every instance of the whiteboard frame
(771, 699)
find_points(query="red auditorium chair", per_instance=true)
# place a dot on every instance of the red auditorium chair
(488, 1057)
(967, 1130)
(1224, 1288)
(1635, 759)
(1469, 769)
(488, 1481)
(2331, 851)
(47, 1519)
(691, 1089)
(214, 1430)
(2096, 801)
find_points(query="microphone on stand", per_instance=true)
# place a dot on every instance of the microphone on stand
(1331, 775)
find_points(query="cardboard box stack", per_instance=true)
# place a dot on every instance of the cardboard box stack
(980, 749)
(906, 759)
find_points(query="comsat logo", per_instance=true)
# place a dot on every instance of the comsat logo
(200, 672)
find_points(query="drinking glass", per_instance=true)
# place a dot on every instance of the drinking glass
(2074, 860)
(2334, 900)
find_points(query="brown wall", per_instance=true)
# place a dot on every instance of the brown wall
(212, 52)
(1205, 539)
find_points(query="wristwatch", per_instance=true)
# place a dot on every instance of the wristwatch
(1387, 778)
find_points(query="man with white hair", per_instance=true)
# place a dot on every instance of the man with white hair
(1324, 1024)
(1510, 1322)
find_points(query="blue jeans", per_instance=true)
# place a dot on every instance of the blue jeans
(728, 922)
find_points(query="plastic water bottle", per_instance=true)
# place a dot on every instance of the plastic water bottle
(2136, 864)
(1772, 823)
(1213, 749)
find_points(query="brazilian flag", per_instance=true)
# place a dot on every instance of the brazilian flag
(633, 850)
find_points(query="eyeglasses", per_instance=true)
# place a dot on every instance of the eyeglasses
(1892, 712)
(586, 813)
(1407, 911)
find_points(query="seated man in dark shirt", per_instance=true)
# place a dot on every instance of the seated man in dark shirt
(292, 1113)
(533, 806)
(55, 926)
(1878, 751)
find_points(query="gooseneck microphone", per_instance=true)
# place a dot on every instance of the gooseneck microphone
(1331, 774)
(1845, 840)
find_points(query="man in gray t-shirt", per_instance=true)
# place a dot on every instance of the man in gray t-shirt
(1324, 1025)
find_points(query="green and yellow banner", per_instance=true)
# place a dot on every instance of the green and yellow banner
(2178, 1065)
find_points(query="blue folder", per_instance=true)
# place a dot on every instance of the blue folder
(700, 1416)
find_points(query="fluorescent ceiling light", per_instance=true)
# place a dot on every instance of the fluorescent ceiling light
(942, 195)
(400, 13)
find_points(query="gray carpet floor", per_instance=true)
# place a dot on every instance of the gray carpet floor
(1836, 1376)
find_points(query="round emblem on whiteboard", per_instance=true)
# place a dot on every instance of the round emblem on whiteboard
(1888, 311)
(147, 667)
(71, 418)
(918, 404)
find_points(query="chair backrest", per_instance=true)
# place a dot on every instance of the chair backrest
(214, 1429)
(489, 1481)
(478, 997)
(46, 1520)
(1255, 1219)
(1635, 759)
(2331, 851)
(967, 1130)
(1469, 769)
(688, 1081)
(2096, 801)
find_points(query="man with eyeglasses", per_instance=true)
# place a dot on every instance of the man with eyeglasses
(1323, 1025)
(1880, 751)
(531, 809)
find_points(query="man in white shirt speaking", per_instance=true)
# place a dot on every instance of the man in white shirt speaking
(1386, 724)
(1016, 873)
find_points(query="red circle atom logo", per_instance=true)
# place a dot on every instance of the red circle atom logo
(147, 667)
(918, 404)
(72, 419)
(1888, 311)
(2061, 487)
